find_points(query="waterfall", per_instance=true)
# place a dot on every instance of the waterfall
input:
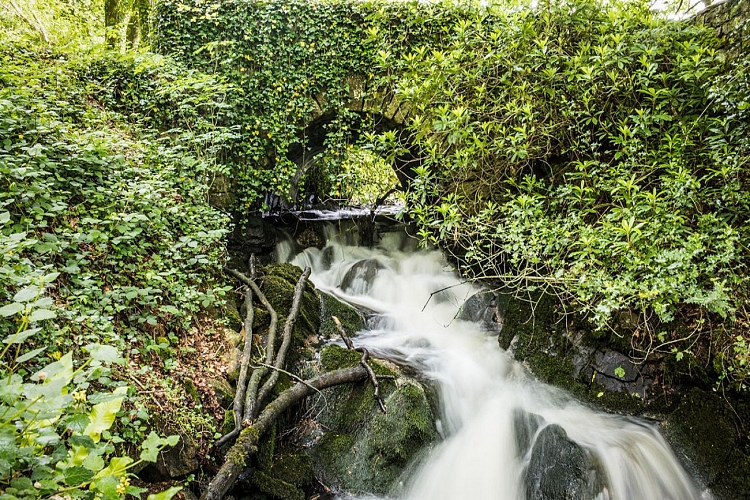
(493, 413)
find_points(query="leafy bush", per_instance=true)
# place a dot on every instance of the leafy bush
(107, 245)
(55, 424)
(594, 151)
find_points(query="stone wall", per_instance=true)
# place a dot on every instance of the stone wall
(731, 20)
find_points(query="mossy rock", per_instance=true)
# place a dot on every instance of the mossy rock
(278, 284)
(534, 330)
(276, 488)
(364, 449)
(702, 433)
(350, 318)
(293, 468)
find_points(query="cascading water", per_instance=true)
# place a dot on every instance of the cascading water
(506, 436)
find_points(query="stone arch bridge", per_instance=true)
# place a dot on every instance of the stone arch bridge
(302, 64)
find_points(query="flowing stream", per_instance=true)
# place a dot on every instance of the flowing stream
(491, 410)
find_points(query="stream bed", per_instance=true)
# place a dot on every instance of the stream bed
(504, 435)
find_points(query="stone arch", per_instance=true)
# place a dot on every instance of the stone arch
(384, 110)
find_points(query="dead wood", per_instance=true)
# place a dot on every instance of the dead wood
(286, 341)
(247, 443)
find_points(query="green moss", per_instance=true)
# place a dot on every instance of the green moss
(350, 318)
(407, 427)
(293, 468)
(368, 450)
(329, 453)
(266, 450)
(542, 345)
(227, 424)
(334, 357)
(191, 389)
(276, 488)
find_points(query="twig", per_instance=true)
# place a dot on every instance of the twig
(285, 343)
(363, 362)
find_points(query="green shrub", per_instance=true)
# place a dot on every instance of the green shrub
(598, 152)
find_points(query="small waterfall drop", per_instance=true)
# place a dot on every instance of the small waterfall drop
(492, 412)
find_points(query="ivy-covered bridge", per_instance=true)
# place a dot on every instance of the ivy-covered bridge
(314, 78)
(311, 77)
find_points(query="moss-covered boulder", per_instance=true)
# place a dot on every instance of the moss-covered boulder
(357, 448)
(703, 432)
(595, 367)
(564, 354)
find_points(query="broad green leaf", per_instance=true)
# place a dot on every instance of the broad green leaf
(150, 447)
(11, 309)
(26, 294)
(30, 354)
(103, 414)
(4, 217)
(75, 476)
(118, 466)
(94, 462)
(20, 337)
(58, 370)
(42, 314)
(106, 485)
(173, 440)
(104, 353)
(49, 278)
(166, 494)
(77, 424)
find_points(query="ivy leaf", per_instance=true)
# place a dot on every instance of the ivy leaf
(166, 494)
(11, 309)
(103, 414)
(77, 475)
(42, 314)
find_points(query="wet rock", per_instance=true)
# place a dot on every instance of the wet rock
(354, 446)
(613, 371)
(702, 433)
(350, 318)
(525, 425)
(257, 237)
(482, 308)
(359, 277)
(559, 469)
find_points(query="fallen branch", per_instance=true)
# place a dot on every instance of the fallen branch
(239, 396)
(252, 386)
(363, 362)
(286, 341)
(247, 444)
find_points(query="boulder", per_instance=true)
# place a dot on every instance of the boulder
(559, 469)
(353, 445)
(482, 308)
(702, 433)
(359, 277)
